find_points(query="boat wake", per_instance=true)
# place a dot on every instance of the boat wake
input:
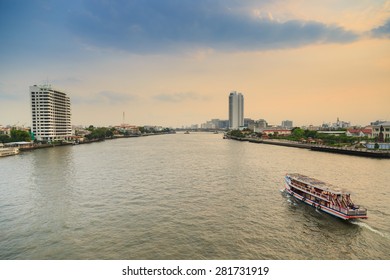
(290, 200)
(364, 225)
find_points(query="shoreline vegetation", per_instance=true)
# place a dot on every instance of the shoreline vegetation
(314, 146)
(95, 140)
(35, 146)
(24, 140)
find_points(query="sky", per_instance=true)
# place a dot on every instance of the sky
(173, 63)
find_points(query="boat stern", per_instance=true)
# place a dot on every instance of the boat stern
(358, 213)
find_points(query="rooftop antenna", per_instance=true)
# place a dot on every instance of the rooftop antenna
(123, 120)
(47, 85)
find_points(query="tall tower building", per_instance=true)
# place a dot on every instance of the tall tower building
(236, 110)
(50, 110)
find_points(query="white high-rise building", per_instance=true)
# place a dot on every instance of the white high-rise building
(50, 110)
(236, 110)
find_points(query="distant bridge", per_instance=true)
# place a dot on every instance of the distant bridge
(202, 130)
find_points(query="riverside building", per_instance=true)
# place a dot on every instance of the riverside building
(236, 110)
(287, 124)
(384, 127)
(50, 110)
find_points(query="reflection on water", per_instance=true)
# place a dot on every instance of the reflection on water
(182, 196)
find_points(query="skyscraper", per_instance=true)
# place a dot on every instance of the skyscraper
(50, 113)
(236, 110)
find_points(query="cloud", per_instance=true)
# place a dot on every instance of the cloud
(382, 31)
(12, 92)
(34, 28)
(9, 97)
(105, 97)
(149, 26)
(179, 97)
(69, 81)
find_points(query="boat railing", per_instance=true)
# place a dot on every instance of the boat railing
(310, 191)
(324, 196)
(357, 211)
(351, 212)
(336, 208)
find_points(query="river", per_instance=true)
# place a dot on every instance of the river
(185, 196)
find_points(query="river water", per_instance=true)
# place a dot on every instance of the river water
(185, 196)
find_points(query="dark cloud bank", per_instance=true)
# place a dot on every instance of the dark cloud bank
(144, 26)
(382, 31)
(156, 26)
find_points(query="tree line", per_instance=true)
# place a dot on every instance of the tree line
(299, 135)
(16, 135)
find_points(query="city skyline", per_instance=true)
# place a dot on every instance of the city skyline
(171, 63)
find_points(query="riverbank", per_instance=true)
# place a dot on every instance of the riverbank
(318, 148)
(34, 146)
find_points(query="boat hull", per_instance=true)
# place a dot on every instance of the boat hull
(5, 152)
(322, 208)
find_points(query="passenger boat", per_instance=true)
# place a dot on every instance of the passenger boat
(323, 196)
(8, 152)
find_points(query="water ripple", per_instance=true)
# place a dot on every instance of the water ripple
(182, 196)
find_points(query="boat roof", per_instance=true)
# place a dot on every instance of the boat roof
(317, 183)
(17, 143)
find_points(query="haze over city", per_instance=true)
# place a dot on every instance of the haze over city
(174, 63)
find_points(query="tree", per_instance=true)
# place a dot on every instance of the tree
(237, 133)
(109, 133)
(4, 138)
(310, 133)
(141, 129)
(99, 133)
(20, 135)
(297, 133)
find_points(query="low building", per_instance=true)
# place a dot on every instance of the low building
(276, 131)
(340, 124)
(314, 127)
(131, 129)
(258, 125)
(248, 122)
(5, 131)
(359, 132)
(215, 124)
(376, 130)
(332, 132)
(287, 124)
(380, 146)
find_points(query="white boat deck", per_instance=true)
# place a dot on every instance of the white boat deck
(316, 183)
